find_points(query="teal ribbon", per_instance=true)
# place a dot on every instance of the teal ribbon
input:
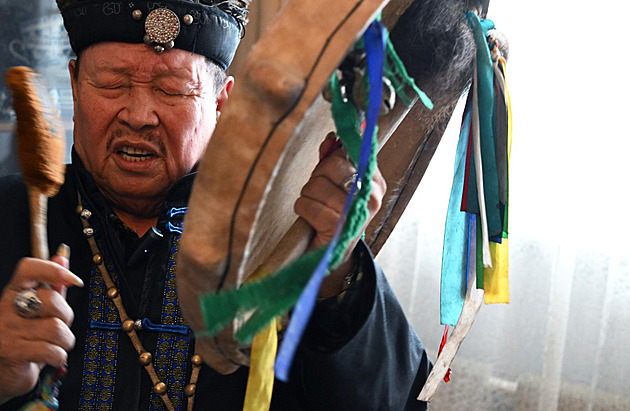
(455, 249)
(485, 87)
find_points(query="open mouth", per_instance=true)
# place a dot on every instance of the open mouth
(135, 154)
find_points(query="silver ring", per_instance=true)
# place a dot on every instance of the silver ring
(346, 185)
(27, 303)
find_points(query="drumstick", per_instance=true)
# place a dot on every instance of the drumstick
(40, 148)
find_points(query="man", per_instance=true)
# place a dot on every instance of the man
(145, 107)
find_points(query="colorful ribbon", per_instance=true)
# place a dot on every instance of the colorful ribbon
(374, 39)
(476, 229)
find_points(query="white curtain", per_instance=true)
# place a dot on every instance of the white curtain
(562, 342)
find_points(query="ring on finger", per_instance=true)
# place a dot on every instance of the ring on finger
(27, 303)
(347, 183)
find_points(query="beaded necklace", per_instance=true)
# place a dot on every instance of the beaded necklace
(129, 326)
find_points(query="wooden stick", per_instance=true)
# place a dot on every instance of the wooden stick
(472, 304)
(39, 238)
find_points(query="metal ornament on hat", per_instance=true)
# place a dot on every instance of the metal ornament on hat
(162, 27)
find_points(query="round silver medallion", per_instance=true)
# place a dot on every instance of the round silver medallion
(162, 26)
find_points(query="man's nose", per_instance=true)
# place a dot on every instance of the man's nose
(140, 109)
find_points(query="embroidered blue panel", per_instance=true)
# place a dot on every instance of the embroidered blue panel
(99, 369)
(171, 354)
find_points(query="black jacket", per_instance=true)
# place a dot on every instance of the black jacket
(360, 354)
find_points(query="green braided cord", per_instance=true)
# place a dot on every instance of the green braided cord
(399, 86)
(358, 214)
(395, 71)
(398, 69)
(275, 294)
(347, 121)
(268, 296)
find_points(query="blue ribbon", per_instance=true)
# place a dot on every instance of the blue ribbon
(456, 233)
(374, 39)
(471, 266)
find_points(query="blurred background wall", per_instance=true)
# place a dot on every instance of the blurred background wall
(32, 35)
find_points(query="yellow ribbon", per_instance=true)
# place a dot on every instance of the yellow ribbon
(261, 374)
(495, 278)
(262, 358)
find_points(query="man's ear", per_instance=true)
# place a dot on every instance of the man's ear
(72, 67)
(224, 93)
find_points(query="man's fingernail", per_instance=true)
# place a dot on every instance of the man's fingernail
(76, 281)
(64, 251)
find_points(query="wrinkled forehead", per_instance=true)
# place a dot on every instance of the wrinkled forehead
(138, 62)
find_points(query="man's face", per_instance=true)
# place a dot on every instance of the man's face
(142, 119)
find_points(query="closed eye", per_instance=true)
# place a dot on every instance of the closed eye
(109, 84)
(114, 86)
(170, 92)
(111, 90)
